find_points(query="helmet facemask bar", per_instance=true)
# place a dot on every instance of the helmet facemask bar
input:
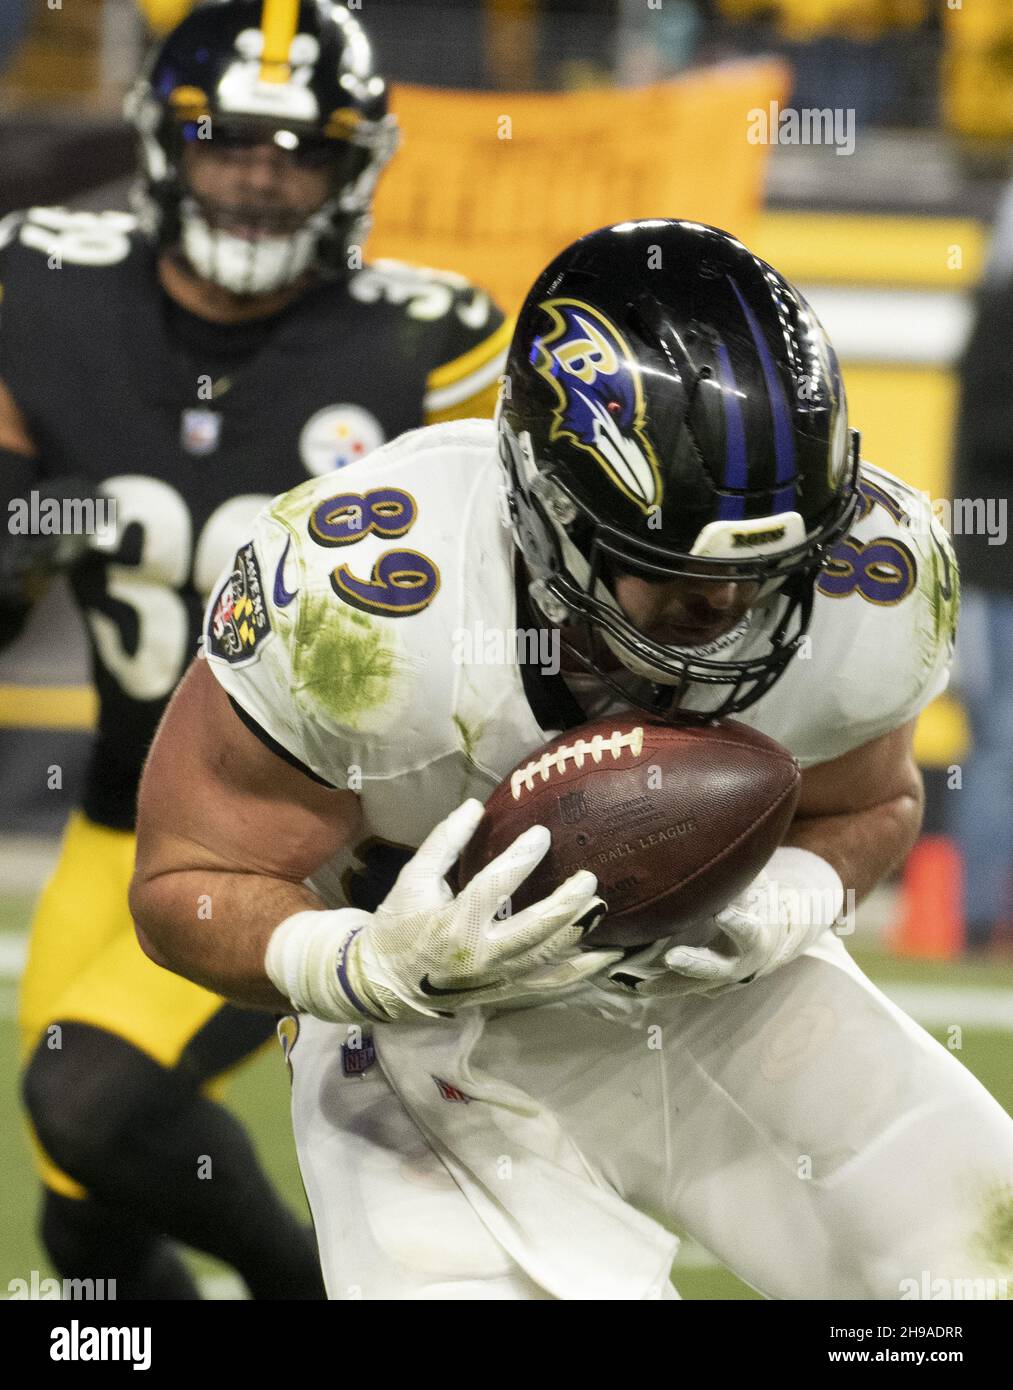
(322, 240)
(579, 551)
(667, 701)
(280, 244)
(248, 265)
(682, 672)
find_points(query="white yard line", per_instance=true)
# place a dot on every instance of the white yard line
(13, 953)
(933, 1006)
(941, 1006)
(26, 861)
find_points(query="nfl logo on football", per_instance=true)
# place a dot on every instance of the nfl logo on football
(572, 807)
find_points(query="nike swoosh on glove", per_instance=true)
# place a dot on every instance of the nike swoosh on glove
(426, 952)
(794, 899)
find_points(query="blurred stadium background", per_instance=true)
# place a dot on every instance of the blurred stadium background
(524, 123)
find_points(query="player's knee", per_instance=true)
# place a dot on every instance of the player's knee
(84, 1096)
(75, 1124)
(70, 1231)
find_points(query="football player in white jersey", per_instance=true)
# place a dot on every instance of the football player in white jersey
(483, 1109)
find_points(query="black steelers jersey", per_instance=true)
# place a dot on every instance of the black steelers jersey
(191, 428)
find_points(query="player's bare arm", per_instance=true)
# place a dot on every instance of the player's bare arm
(230, 328)
(221, 815)
(22, 578)
(857, 817)
(28, 560)
(224, 822)
(862, 812)
(13, 427)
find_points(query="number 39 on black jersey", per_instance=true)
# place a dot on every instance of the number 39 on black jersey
(191, 450)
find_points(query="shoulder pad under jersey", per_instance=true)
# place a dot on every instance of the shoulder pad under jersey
(880, 643)
(331, 627)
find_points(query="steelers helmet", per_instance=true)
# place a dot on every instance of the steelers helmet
(237, 73)
(672, 408)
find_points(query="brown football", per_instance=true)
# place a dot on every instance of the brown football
(674, 820)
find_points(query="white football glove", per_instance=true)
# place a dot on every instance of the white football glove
(425, 952)
(795, 897)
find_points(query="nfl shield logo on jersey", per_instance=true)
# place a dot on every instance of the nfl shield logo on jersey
(358, 1057)
(200, 430)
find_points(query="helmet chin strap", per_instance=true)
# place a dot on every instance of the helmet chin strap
(242, 266)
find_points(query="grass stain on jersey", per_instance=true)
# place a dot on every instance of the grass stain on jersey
(996, 1238)
(469, 735)
(344, 661)
(469, 738)
(941, 586)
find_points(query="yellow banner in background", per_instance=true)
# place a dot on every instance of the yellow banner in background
(494, 184)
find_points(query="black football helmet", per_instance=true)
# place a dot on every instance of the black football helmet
(241, 72)
(672, 408)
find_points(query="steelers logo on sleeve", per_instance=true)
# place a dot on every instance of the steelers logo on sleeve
(239, 623)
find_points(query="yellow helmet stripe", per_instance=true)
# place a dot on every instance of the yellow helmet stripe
(279, 20)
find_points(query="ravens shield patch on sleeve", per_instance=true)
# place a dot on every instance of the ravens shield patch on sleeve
(239, 621)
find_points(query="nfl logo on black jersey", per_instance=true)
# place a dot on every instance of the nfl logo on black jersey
(200, 430)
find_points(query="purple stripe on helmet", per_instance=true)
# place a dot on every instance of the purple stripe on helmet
(785, 497)
(736, 466)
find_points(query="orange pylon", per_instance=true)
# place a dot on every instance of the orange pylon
(930, 921)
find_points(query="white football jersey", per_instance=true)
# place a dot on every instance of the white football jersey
(370, 629)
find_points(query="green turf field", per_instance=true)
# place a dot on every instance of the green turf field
(259, 1095)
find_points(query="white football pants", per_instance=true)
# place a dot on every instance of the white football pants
(803, 1129)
